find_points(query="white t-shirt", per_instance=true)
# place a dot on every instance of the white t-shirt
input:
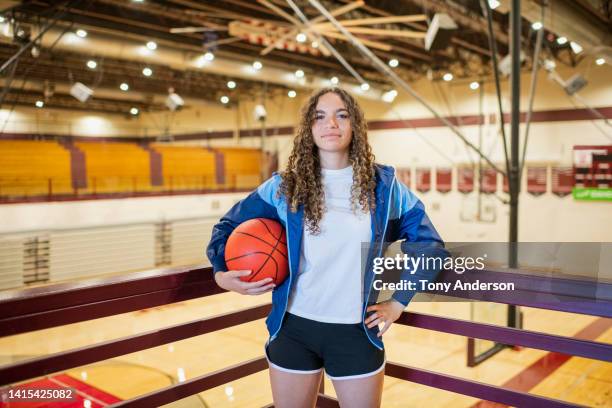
(328, 285)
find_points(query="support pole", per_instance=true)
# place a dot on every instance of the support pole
(493, 48)
(513, 176)
(534, 79)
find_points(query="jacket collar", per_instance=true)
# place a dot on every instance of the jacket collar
(384, 178)
(384, 173)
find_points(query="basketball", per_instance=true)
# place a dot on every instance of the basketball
(259, 245)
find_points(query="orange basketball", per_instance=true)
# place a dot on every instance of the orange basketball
(259, 245)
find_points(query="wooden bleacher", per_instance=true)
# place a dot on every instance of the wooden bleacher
(187, 167)
(43, 168)
(30, 168)
(242, 167)
(116, 167)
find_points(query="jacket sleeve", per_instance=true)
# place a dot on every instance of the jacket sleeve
(261, 203)
(420, 239)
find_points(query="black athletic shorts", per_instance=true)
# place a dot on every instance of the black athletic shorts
(307, 346)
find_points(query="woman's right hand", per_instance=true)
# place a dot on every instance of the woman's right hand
(230, 280)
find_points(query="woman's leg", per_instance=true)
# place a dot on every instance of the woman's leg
(294, 390)
(360, 392)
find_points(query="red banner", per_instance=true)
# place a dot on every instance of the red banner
(444, 180)
(465, 179)
(562, 180)
(536, 180)
(423, 180)
(489, 181)
(403, 175)
(593, 166)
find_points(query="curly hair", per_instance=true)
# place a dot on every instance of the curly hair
(301, 180)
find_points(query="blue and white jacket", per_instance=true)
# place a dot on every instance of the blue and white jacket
(399, 215)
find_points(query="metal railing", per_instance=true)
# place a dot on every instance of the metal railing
(32, 309)
(53, 188)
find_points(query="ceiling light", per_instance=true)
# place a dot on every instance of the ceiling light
(257, 65)
(134, 111)
(301, 37)
(209, 56)
(561, 40)
(201, 61)
(124, 86)
(494, 4)
(314, 44)
(537, 25)
(600, 61)
(69, 38)
(231, 84)
(549, 65)
(2, 19)
(393, 63)
(224, 99)
(147, 72)
(474, 85)
(39, 104)
(389, 96)
(577, 48)
(152, 45)
(91, 64)
(299, 73)
(81, 33)
(365, 86)
(448, 77)
(334, 80)
(291, 93)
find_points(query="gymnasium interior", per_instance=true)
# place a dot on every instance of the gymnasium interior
(129, 127)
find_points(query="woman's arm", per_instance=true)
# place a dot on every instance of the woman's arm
(419, 239)
(412, 225)
(261, 203)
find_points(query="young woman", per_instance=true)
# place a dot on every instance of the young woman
(330, 199)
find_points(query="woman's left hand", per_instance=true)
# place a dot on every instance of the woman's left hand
(386, 312)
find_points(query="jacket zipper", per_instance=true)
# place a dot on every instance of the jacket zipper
(379, 254)
(289, 288)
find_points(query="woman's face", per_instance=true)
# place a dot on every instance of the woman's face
(331, 127)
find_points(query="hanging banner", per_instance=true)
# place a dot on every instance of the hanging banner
(403, 175)
(423, 179)
(562, 180)
(465, 179)
(444, 180)
(489, 181)
(593, 173)
(592, 166)
(536, 180)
